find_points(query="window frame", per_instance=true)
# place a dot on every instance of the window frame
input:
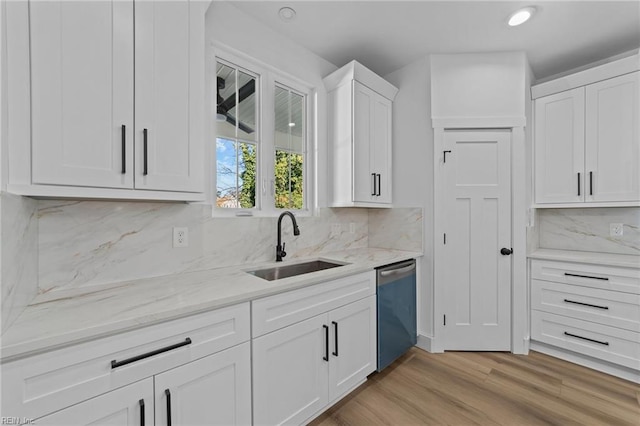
(267, 77)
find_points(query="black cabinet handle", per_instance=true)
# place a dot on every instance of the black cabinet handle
(586, 276)
(326, 342)
(444, 154)
(379, 184)
(168, 395)
(587, 339)
(141, 402)
(374, 184)
(586, 304)
(578, 183)
(335, 328)
(144, 147)
(124, 149)
(505, 251)
(590, 183)
(116, 364)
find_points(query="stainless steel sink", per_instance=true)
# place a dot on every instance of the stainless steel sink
(279, 272)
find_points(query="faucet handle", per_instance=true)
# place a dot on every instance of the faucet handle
(282, 252)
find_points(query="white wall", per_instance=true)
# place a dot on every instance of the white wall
(227, 25)
(478, 85)
(413, 167)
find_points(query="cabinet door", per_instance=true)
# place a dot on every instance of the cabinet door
(290, 373)
(129, 405)
(82, 93)
(215, 390)
(559, 148)
(169, 60)
(613, 139)
(380, 155)
(353, 345)
(364, 178)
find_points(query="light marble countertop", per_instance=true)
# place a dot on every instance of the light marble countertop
(65, 317)
(608, 259)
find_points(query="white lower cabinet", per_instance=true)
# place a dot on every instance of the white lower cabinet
(203, 361)
(215, 390)
(130, 405)
(584, 310)
(290, 373)
(300, 369)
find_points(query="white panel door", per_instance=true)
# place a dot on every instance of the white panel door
(82, 92)
(169, 87)
(215, 390)
(290, 373)
(352, 344)
(129, 405)
(612, 163)
(559, 148)
(380, 155)
(363, 176)
(478, 226)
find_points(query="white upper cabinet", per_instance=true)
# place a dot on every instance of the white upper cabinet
(169, 61)
(587, 138)
(360, 148)
(612, 160)
(82, 93)
(117, 99)
(559, 147)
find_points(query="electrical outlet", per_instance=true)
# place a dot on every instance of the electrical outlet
(335, 229)
(180, 237)
(616, 229)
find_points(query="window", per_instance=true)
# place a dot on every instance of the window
(237, 137)
(262, 130)
(290, 143)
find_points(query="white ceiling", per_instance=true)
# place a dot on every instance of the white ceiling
(387, 35)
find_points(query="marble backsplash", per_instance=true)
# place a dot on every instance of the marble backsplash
(588, 229)
(18, 255)
(399, 229)
(83, 243)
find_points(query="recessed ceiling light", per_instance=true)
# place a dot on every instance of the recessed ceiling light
(287, 14)
(521, 16)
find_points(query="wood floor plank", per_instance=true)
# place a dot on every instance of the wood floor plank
(485, 388)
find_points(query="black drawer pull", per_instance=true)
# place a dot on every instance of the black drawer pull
(145, 153)
(587, 339)
(586, 304)
(326, 343)
(124, 149)
(141, 402)
(335, 328)
(116, 364)
(379, 185)
(375, 191)
(578, 183)
(586, 276)
(168, 395)
(590, 183)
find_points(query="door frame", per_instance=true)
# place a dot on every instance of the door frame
(519, 283)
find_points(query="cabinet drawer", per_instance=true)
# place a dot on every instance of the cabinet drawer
(599, 341)
(281, 310)
(602, 306)
(605, 277)
(40, 384)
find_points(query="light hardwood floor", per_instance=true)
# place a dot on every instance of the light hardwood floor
(487, 388)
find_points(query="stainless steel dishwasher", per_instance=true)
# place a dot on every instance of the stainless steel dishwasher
(396, 295)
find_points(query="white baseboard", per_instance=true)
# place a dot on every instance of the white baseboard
(587, 361)
(425, 342)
